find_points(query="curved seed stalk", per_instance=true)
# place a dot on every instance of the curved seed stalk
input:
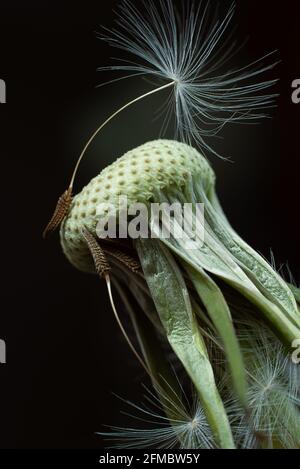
(64, 202)
(103, 269)
(163, 378)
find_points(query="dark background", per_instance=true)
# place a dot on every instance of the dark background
(65, 355)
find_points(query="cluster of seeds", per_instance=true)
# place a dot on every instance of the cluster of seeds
(138, 175)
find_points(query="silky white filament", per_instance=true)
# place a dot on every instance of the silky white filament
(191, 50)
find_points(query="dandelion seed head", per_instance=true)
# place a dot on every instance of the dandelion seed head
(164, 158)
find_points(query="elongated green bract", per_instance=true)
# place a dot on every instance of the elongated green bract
(219, 313)
(172, 302)
(258, 270)
(162, 375)
(213, 256)
(296, 292)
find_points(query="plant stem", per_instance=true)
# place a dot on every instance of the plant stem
(116, 113)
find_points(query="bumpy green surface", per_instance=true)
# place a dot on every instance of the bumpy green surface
(156, 165)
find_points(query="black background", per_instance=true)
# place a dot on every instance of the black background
(65, 355)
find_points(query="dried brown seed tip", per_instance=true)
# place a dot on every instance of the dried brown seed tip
(101, 263)
(131, 263)
(61, 210)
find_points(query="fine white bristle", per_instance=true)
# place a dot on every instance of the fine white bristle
(188, 430)
(273, 393)
(190, 50)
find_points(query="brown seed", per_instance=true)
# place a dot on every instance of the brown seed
(61, 210)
